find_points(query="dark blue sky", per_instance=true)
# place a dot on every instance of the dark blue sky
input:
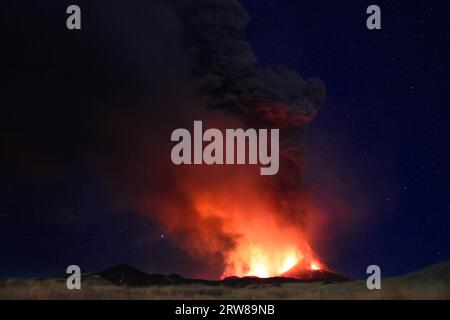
(384, 131)
(380, 144)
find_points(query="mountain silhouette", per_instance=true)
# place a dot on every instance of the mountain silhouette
(126, 275)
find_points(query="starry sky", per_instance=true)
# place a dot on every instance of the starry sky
(381, 141)
(386, 117)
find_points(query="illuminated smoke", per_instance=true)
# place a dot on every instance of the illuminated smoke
(177, 61)
(230, 216)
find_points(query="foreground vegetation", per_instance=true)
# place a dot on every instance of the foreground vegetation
(431, 283)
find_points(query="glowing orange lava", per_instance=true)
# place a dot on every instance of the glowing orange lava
(266, 245)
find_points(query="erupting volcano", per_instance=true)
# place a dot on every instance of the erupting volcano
(230, 218)
(256, 225)
(265, 245)
(245, 220)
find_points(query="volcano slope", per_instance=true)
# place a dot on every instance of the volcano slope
(125, 282)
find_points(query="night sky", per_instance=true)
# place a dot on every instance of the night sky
(386, 116)
(382, 135)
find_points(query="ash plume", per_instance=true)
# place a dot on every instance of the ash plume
(216, 213)
(225, 66)
(109, 102)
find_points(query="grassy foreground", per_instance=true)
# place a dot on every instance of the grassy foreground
(431, 283)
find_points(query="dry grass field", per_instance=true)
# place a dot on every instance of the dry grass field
(431, 283)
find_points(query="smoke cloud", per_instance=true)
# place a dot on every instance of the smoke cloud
(111, 99)
(224, 63)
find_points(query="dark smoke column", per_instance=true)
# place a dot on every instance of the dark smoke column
(225, 68)
(229, 81)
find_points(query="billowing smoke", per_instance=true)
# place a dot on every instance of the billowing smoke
(233, 220)
(223, 62)
(111, 100)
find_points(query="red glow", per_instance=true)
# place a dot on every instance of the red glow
(233, 220)
(267, 243)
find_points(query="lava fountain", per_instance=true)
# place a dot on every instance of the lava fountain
(266, 242)
(257, 224)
